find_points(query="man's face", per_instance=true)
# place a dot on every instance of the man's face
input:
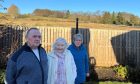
(78, 42)
(34, 38)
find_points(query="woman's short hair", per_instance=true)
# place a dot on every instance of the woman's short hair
(60, 40)
(78, 36)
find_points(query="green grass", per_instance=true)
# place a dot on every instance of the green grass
(110, 82)
(2, 72)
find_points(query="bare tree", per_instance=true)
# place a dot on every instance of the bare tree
(13, 10)
(1, 6)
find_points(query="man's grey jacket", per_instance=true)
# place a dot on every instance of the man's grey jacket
(24, 67)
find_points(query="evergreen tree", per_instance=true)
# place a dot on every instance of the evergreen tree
(113, 18)
(120, 19)
(67, 14)
(106, 18)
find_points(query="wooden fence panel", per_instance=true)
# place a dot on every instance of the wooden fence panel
(108, 47)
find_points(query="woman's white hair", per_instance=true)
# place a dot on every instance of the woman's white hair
(60, 40)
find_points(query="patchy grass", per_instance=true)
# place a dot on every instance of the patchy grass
(2, 72)
(58, 22)
(111, 82)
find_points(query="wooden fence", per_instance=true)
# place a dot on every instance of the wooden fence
(108, 47)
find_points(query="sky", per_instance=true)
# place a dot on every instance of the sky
(28, 6)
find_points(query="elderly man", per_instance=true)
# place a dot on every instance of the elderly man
(29, 64)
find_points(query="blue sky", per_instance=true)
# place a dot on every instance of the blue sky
(28, 6)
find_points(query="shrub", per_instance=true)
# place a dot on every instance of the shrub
(104, 74)
(121, 71)
(10, 40)
(2, 76)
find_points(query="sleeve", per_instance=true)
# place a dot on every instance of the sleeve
(11, 72)
(86, 62)
(74, 69)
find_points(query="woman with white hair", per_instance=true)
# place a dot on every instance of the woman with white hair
(61, 65)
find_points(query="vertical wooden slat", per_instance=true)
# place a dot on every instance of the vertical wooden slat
(125, 42)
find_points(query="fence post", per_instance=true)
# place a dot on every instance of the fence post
(77, 31)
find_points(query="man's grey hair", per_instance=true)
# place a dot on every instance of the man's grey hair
(28, 31)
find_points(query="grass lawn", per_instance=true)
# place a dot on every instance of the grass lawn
(110, 82)
(101, 82)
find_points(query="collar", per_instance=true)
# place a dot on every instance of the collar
(79, 48)
(28, 48)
